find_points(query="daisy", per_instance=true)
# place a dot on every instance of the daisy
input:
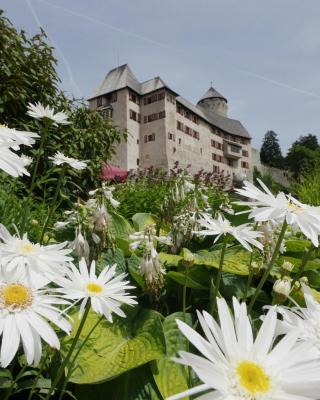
(21, 257)
(267, 207)
(24, 312)
(244, 233)
(10, 162)
(16, 138)
(38, 111)
(59, 159)
(105, 292)
(306, 321)
(235, 366)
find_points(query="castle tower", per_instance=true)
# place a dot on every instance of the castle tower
(212, 100)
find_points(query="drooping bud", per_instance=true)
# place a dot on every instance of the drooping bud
(287, 266)
(281, 289)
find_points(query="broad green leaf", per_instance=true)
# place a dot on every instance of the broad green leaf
(184, 279)
(137, 384)
(297, 245)
(142, 220)
(117, 347)
(236, 261)
(234, 285)
(133, 267)
(171, 377)
(170, 259)
(120, 227)
(112, 257)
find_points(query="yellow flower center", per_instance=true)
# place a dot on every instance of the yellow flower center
(16, 295)
(253, 378)
(27, 248)
(94, 288)
(294, 208)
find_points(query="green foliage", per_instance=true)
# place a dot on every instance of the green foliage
(274, 186)
(115, 348)
(270, 153)
(142, 220)
(301, 160)
(172, 378)
(308, 188)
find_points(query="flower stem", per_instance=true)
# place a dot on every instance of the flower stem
(33, 179)
(53, 205)
(42, 365)
(20, 373)
(213, 300)
(249, 278)
(269, 267)
(69, 354)
(184, 294)
(70, 370)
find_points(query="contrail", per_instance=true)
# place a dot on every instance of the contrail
(112, 27)
(146, 39)
(64, 60)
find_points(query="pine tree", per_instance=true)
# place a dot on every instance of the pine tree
(270, 153)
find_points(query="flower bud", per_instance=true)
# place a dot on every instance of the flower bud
(287, 266)
(281, 289)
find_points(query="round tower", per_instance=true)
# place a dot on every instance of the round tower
(212, 100)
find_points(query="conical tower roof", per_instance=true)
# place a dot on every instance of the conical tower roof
(212, 93)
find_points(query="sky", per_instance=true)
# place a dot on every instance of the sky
(263, 56)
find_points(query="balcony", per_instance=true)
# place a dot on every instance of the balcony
(232, 150)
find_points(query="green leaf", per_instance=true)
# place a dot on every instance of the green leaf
(116, 347)
(133, 267)
(171, 377)
(136, 384)
(183, 279)
(120, 227)
(170, 259)
(112, 257)
(297, 245)
(236, 260)
(142, 220)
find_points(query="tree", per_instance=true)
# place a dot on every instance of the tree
(28, 74)
(309, 141)
(270, 153)
(301, 160)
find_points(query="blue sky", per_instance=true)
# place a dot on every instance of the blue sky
(264, 56)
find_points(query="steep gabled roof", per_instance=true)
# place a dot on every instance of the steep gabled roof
(212, 93)
(121, 77)
(228, 125)
(117, 78)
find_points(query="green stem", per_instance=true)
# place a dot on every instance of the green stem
(269, 267)
(33, 179)
(70, 370)
(249, 277)
(219, 275)
(184, 294)
(42, 365)
(304, 261)
(53, 204)
(14, 382)
(69, 354)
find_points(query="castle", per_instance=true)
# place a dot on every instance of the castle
(164, 127)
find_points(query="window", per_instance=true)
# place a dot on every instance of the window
(245, 153)
(230, 162)
(138, 141)
(99, 101)
(134, 116)
(235, 149)
(244, 164)
(196, 135)
(138, 161)
(215, 169)
(106, 112)
(149, 138)
(187, 130)
(134, 98)
(111, 97)
(180, 141)
(180, 126)
(162, 114)
(153, 98)
(200, 150)
(216, 157)
(171, 98)
(154, 117)
(171, 136)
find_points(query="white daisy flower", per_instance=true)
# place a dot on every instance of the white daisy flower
(21, 257)
(11, 163)
(38, 111)
(267, 207)
(235, 366)
(24, 312)
(16, 138)
(305, 321)
(244, 233)
(106, 292)
(59, 159)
